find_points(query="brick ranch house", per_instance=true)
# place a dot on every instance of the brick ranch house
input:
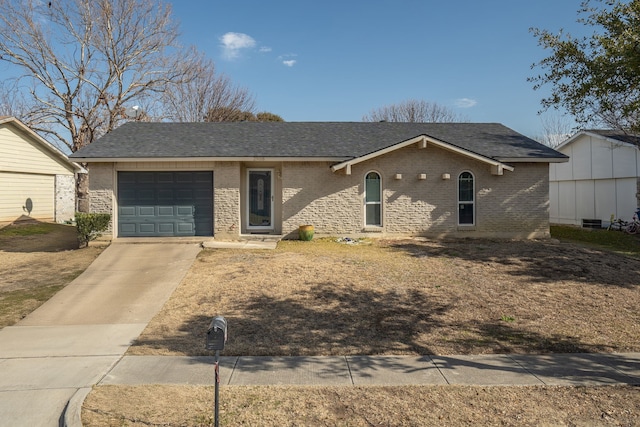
(346, 179)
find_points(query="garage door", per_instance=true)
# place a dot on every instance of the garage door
(165, 204)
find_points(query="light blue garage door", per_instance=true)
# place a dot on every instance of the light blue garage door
(165, 204)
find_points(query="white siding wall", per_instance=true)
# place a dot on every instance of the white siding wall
(599, 180)
(18, 189)
(28, 171)
(18, 153)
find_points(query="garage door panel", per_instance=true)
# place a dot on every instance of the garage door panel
(202, 177)
(184, 211)
(165, 177)
(126, 177)
(185, 177)
(126, 192)
(127, 228)
(147, 228)
(166, 228)
(126, 211)
(184, 194)
(165, 203)
(149, 211)
(145, 177)
(186, 228)
(146, 195)
(166, 211)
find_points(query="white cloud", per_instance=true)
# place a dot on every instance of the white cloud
(233, 43)
(265, 49)
(286, 61)
(465, 103)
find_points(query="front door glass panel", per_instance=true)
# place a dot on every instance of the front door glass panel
(260, 199)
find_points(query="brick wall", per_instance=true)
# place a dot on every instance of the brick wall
(312, 194)
(101, 191)
(511, 205)
(514, 205)
(226, 203)
(65, 196)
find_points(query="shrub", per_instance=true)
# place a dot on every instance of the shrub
(90, 226)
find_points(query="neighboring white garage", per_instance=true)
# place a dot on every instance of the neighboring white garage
(36, 179)
(601, 178)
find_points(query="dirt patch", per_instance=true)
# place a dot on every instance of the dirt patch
(405, 297)
(363, 406)
(36, 261)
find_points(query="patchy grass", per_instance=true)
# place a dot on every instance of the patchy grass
(362, 406)
(36, 261)
(15, 305)
(29, 229)
(405, 297)
(615, 241)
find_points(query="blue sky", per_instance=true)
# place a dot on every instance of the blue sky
(337, 60)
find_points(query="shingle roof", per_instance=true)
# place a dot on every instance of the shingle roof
(343, 140)
(618, 135)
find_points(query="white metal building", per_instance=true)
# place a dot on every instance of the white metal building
(601, 178)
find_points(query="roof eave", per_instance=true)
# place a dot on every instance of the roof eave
(534, 159)
(593, 135)
(207, 159)
(423, 141)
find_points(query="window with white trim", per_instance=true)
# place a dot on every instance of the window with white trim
(466, 199)
(373, 199)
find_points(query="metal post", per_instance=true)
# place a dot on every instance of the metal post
(217, 399)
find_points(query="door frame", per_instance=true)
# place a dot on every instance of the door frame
(271, 227)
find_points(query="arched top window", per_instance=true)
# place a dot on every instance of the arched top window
(466, 199)
(373, 199)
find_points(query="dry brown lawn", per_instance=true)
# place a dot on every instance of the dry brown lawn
(363, 406)
(405, 297)
(392, 297)
(36, 261)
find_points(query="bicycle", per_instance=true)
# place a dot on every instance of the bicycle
(631, 227)
(617, 224)
(634, 226)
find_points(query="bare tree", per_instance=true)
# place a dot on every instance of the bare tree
(556, 129)
(266, 116)
(12, 103)
(84, 61)
(206, 97)
(413, 111)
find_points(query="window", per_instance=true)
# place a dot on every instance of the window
(465, 199)
(372, 199)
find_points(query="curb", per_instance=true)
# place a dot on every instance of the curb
(73, 410)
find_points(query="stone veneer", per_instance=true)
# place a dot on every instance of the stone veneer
(65, 197)
(513, 205)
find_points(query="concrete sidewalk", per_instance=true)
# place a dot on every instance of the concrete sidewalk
(79, 335)
(482, 370)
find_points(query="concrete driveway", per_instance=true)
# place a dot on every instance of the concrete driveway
(76, 337)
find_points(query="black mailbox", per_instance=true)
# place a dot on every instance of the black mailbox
(217, 334)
